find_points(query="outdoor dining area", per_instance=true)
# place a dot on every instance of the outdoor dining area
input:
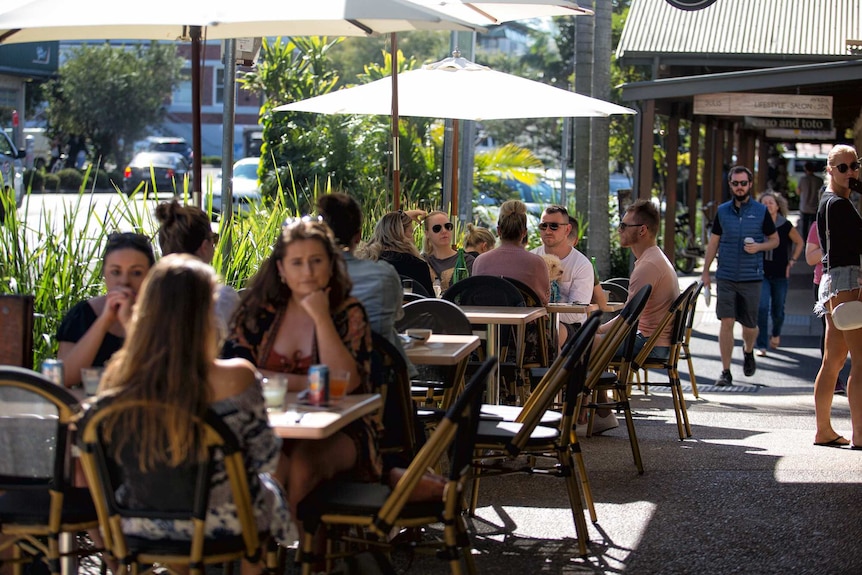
(477, 408)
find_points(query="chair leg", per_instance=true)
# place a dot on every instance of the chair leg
(53, 556)
(633, 438)
(676, 394)
(17, 566)
(474, 490)
(466, 547)
(691, 375)
(682, 406)
(307, 555)
(451, 539)
(585, 480)
(575, 502)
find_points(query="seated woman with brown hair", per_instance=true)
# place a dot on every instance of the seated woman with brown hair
(187, 230)
(94, 329)
(297, 312)
(170, 356)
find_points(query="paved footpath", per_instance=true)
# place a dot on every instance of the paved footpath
(747, 494)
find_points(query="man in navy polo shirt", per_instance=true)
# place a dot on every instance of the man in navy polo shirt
(742, 230)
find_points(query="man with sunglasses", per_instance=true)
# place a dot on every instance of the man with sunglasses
(741, 232)
(638, 230)
(576, 285)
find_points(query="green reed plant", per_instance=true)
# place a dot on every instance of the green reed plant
(56, 254)
(57, 257)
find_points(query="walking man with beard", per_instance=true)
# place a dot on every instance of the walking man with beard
(742, 230)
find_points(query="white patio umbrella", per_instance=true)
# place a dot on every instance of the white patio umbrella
(488, 12)
(459, 89)
(43, 20)
(39, 20)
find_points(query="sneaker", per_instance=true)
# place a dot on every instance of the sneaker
(724, 379)
(600, 424)
(748, 365)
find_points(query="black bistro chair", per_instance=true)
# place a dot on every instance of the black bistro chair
(376, 508)
(38, 503)
(495, 291)
(167, 493)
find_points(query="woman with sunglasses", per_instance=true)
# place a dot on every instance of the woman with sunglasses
(187, 230)
(839, 228)
(438, 251)
(93, 330)
(298, 312)
(392, 242)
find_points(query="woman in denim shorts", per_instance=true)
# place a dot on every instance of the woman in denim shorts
(840, 283)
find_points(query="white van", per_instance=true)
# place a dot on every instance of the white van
(796, 166)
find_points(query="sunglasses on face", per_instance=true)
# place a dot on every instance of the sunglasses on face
(624, 225)
(553, 225)
(437, 227)
(739, 183)
(844, 167)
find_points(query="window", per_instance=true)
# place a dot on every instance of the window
(183, 92)
(219, 86)
(8, 98)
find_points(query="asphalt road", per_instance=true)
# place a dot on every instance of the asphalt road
(49, 210)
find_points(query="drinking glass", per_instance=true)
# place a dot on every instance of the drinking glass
(338, 380)
(407, 285)
(91, 377)
(274, 388)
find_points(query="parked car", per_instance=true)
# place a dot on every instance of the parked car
(11, 173)
(168, 144)
(536, 196)
(246, 186)
(164, 170)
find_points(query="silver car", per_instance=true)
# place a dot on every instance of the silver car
(246, 186)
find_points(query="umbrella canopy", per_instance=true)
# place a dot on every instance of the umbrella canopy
(488, 12)
(460, 89)
(40, 20)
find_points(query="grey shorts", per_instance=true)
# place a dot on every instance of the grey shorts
(738, 300)
(838, 279)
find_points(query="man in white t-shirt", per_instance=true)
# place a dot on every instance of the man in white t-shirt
(576, 285)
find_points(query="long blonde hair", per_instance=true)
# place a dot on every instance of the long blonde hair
(167, 357)
(388, 236)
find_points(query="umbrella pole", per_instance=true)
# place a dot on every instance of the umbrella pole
(455, 144)
(396, 148)
(195, 32)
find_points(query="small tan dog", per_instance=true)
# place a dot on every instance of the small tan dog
(555, 272)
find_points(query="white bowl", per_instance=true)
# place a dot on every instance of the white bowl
(419, 335)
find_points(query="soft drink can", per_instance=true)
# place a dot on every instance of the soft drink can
(318, 384)
(53, 370)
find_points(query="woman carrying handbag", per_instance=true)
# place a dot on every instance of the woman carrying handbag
(840, 229)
